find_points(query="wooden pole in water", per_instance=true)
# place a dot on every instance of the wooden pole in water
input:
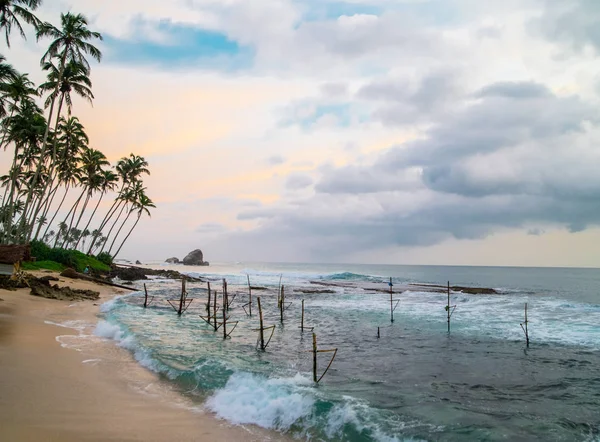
(249, 297)
(262, 334)
(378, 335)
(182, 298)
(145, 296)
(526, 328)
(314, 357)
(448, 307)
(302, 320)
(208, 304)
(215, 310)
(391, 300)
(281, 302)
(224, 315)
(225, 294)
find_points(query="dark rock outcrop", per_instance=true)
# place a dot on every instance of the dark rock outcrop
(43, 289)
(138, 262)
(194, 258)
(128, 273)
(173, 260)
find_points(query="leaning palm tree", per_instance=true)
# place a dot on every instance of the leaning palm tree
(12, 92)
(92, 161)
(69, 142)
(7, 75)
(25, 130)
(70, 44)
(74, 79)
(108, 182)
(12, 10)
(143, 204)
(129, 169)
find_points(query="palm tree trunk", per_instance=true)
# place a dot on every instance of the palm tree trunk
(127, 237)
(112, 227)
(91, 216)
(108, 215)
(119, 231)
(52, 164)
(87, 199)
(72, 210)
(57, 209)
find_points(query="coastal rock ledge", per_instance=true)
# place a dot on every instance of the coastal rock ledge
(195, 258)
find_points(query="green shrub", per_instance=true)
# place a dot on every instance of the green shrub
(46, 265)
(68, 258)
(105, 258)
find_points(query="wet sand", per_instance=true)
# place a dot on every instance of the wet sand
(60, 384)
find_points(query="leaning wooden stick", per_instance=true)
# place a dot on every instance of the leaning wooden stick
(261, 330)
(146, 303)
(208, 303)
(448, 306)
(302, 327)
(315, 350)
(215, 311)
(281, 303)
(525, 329)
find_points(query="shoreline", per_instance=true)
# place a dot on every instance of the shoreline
(61, 383)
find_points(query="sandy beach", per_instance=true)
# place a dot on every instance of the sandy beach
(64, 384)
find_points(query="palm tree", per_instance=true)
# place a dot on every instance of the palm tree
(132, 196)
(92, 161)
(129, 170)
(12, 92)
(7, 74)
(71, 140)
(25, 130)
(108, 183)
(143, 204)
(74, 78)
(12, 10)
(70, 44)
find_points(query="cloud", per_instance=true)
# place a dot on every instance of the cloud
(211, 228)
(275, 160)
(518, 155)
(573, 24)
(298, 181)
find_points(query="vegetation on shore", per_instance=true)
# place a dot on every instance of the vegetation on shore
(54, 258)
(56, 184)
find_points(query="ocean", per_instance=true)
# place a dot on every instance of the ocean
(414, 382)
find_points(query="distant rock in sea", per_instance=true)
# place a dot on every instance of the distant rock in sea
(173, 260)
(195, 258)
(138, 262)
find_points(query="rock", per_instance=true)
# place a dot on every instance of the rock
(195, 258)
(173, 260)
(44, 290)
(128, 273)
(70, 273)
(138, 262)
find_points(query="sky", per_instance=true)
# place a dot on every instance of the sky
(458, 132)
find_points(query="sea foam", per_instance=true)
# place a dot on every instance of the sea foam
(268, 403)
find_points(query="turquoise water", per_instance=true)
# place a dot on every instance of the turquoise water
(415, 382)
